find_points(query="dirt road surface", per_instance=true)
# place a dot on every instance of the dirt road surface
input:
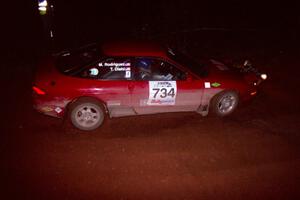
(253, 154)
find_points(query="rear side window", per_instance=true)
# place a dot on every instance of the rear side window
(71, 61)
(109, 69)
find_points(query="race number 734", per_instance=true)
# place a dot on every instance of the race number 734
(162, 92)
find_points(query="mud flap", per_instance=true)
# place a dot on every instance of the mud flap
(203, 110)
(206, 98)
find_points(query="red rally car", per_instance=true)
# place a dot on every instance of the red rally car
(130, 78)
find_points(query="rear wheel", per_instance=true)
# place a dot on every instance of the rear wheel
(86, 114)
(224, 103)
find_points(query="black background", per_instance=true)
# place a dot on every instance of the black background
(80, 22)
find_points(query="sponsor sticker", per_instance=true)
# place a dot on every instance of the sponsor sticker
(215, 84)
(46, 109)
(207, 84)
(94, 71)
(114, 103)
(58, 110)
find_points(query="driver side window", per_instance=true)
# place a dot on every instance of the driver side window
(156, 70)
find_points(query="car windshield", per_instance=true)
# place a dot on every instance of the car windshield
(187, 61)
(69, 62)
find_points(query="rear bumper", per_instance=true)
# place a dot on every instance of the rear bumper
(55, 107)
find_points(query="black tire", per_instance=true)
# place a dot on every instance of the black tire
(224, 103)
(86, 114)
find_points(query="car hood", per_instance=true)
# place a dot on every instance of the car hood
(219, 71)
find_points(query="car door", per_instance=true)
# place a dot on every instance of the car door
(110, 81)
(164, 88)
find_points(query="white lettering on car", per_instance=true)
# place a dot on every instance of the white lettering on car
(117, 67)
(128, 74)
(114, 64)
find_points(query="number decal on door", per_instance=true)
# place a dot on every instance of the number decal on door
(162, 92)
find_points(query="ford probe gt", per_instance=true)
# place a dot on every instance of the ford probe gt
(118, 79)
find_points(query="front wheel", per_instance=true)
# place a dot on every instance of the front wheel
(224, 103)
(86, 115)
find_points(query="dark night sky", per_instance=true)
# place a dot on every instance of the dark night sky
(262, 14)
(88, 20)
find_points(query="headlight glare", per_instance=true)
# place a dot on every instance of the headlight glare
(263, 76)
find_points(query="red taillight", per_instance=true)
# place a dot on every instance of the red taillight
(38, 90)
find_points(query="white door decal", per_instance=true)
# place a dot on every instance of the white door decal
(162, 93)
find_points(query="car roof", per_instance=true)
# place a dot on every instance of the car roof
(133, 49)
